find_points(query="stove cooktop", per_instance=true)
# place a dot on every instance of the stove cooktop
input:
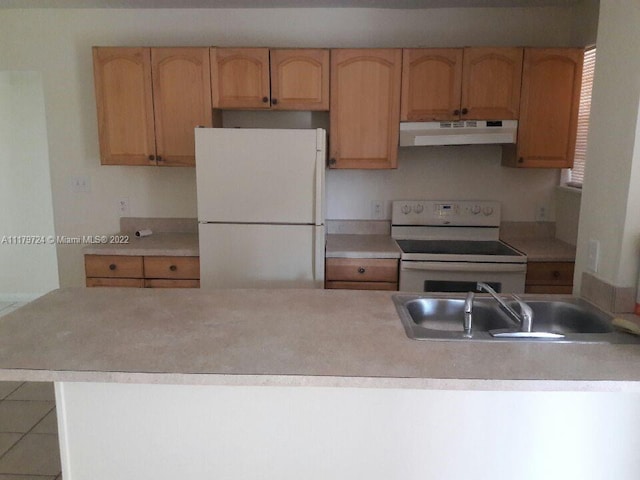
(467, 251)
(456, 247)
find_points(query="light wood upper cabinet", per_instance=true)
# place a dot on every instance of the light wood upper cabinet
(299, 79)
(491, 80)
(443, 84)
(431, 82)
(277, 79)
(365, 107)
(149, 100)
(550, 100)
(181, 100)
(125, 105)
(240, 78)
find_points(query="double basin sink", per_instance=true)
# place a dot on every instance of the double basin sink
(568, 319)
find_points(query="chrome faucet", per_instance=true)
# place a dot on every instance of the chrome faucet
(524, 318)
(468, 311)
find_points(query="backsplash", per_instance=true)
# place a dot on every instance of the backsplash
(471, 172)
(606, 296)
(159, 225)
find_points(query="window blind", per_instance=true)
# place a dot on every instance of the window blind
(576, 175)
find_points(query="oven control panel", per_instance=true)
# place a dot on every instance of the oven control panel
(454, 213)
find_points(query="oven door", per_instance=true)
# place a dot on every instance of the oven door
(424, 276)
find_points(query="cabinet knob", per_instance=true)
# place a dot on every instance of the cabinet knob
(332, 161)
(361, 269)
(112, 266)
(152, 157)
(159, 158)
(274, 101)
(465, 111)
(173, 268)
(556, 274)
(520, 160)
(265, 99)
(456, 112)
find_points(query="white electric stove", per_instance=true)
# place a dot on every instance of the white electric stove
(449, 246)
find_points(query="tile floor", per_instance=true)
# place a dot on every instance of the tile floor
(28, 427)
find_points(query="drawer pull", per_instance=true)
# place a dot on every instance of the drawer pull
(112, 266)
(173, 268)
(361, 269)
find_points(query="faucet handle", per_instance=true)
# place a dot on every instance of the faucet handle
(527, 314)
(468, 318)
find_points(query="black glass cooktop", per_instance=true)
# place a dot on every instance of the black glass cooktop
(456, 247)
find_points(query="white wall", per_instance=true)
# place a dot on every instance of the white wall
(443, 173)
(611, 192)
(567, 214)
(26, 270)
(57, 42)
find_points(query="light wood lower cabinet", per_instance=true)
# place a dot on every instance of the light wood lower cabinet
(549, 277)
(142, 271)
(361, 273)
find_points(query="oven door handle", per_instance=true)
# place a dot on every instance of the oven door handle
(463, 267)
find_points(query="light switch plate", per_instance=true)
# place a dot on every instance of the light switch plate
(377, 209)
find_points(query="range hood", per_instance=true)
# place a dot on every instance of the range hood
(464, 132)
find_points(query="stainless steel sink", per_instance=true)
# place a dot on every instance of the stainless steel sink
(440, 317)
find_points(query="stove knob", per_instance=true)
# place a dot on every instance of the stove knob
(487, 211)
(475, 209)
(418, 208)
(406, 209)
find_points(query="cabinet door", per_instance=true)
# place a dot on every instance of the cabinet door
(124, 102)
(300, 79)
(365, 108)
(431, 82)
(240, 78)
(549, 105)
(491, 80)
(181, 100)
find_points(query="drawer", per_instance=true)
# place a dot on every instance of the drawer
(172, 267)
(362, 269)
(549, 273)
(552, 289)
(115, 282)
(117, 266)
(166, 283)
(362, 285)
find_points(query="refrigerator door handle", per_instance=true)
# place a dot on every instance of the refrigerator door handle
(320, 168)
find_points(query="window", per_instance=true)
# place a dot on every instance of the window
(576, 174)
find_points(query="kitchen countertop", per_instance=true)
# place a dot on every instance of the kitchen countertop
(543, 249)
(157, 244)
(361, 246)
(279, 337)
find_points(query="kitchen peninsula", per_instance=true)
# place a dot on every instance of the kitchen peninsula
(317, 384)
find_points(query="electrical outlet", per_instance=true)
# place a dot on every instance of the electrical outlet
(593, 253)
(377, 209)
(542, 213)
(123, 207)
(80, 184)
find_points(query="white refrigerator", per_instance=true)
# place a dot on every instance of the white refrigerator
(261, 207)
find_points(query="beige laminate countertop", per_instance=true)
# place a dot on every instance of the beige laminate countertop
(543, 249)
(279, 337)
(361, 246)
(158, 244)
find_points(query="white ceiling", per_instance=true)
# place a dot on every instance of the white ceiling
(280, 3)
